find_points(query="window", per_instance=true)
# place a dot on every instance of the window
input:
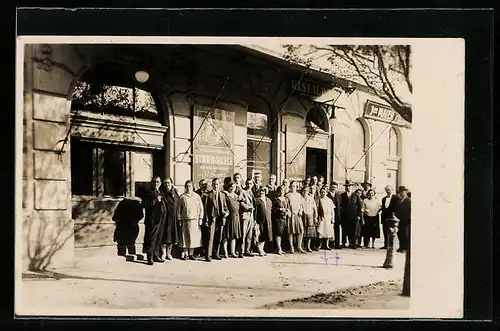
(258, 144)
(393, 143)
(82, 167)
(107, 170)
(357, 159)
(114, 99)
(259, 158)
(257, 124)
(114, 172)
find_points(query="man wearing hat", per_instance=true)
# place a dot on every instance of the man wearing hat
(351, 214)
(402, 211)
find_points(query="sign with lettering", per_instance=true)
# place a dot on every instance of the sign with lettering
(383, 113)
(310, 89)
(214, 144)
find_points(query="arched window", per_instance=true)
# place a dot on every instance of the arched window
(393, 143)
(113, 155)
(357, 159)
(259, 142)
(393, 158)
(106, 89)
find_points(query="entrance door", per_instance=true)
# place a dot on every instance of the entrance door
(316, 159)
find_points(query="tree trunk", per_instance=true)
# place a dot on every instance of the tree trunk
(406, 279)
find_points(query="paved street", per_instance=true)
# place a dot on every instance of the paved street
(102, 280)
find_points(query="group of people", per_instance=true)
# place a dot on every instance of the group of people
(234, 219)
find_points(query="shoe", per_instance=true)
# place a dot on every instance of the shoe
(169, 257)
(208, 259)
(185, 257)
(329, 248)
(158, 259)
(400, 250)
(309, 250)
(226, 256)
(373, 247)
(248, 254)
(383, 247)
(234, 256)
(292, 252)
(280, 252)
(338, 247)
(217, 257)
(301, 251)
(240, 256)
(192, 258)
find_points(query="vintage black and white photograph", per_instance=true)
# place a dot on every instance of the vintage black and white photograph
(245, 176)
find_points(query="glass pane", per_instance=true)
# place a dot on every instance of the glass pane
(114, 172)
(357, 146)
(118, 96)
(258, 158)
(393, 143)
(81, 168)
(257, 124)
(86, 95)
(144, 102)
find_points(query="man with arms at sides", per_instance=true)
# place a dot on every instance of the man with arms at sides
(403, 213)
(272, 187)
(351, 214)
(216, 211)
(154, 221)
(337, 201)
(247, 218)
(263, 206)
(388, 205)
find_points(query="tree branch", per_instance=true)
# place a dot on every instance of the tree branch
(383, 71)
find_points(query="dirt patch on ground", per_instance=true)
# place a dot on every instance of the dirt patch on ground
(380, 295)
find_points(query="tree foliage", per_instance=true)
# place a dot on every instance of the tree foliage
(384, 69)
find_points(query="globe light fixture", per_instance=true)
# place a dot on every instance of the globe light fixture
(141, 76)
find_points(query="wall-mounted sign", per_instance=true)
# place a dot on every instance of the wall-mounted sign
(212, 148)
(383, 113)
(310, 89)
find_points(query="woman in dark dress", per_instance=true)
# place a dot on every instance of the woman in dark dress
(280, 213)
(171, 232)
(232, 229)
(263, 206)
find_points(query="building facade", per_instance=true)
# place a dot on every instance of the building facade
(93, 134)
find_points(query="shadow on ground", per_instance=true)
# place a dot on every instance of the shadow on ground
(380, 295)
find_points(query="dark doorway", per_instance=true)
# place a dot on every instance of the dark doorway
(316, 162)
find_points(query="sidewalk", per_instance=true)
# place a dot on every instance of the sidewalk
(103, 280)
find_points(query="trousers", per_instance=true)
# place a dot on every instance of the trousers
(246, 239)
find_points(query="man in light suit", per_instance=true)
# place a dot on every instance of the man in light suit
(247, 218)
(214, 220)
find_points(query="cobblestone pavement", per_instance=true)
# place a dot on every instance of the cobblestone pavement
(102, 280)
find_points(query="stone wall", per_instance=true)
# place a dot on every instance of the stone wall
(49, 71)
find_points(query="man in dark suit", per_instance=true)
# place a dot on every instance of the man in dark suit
(351, 214)
(337, 201)
(202, 191)
(402, 210)
(388, 204)
(214, 220)
(154, 221)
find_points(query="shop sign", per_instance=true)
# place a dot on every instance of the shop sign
(310, 89)
(383, 113)
(214, 143)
